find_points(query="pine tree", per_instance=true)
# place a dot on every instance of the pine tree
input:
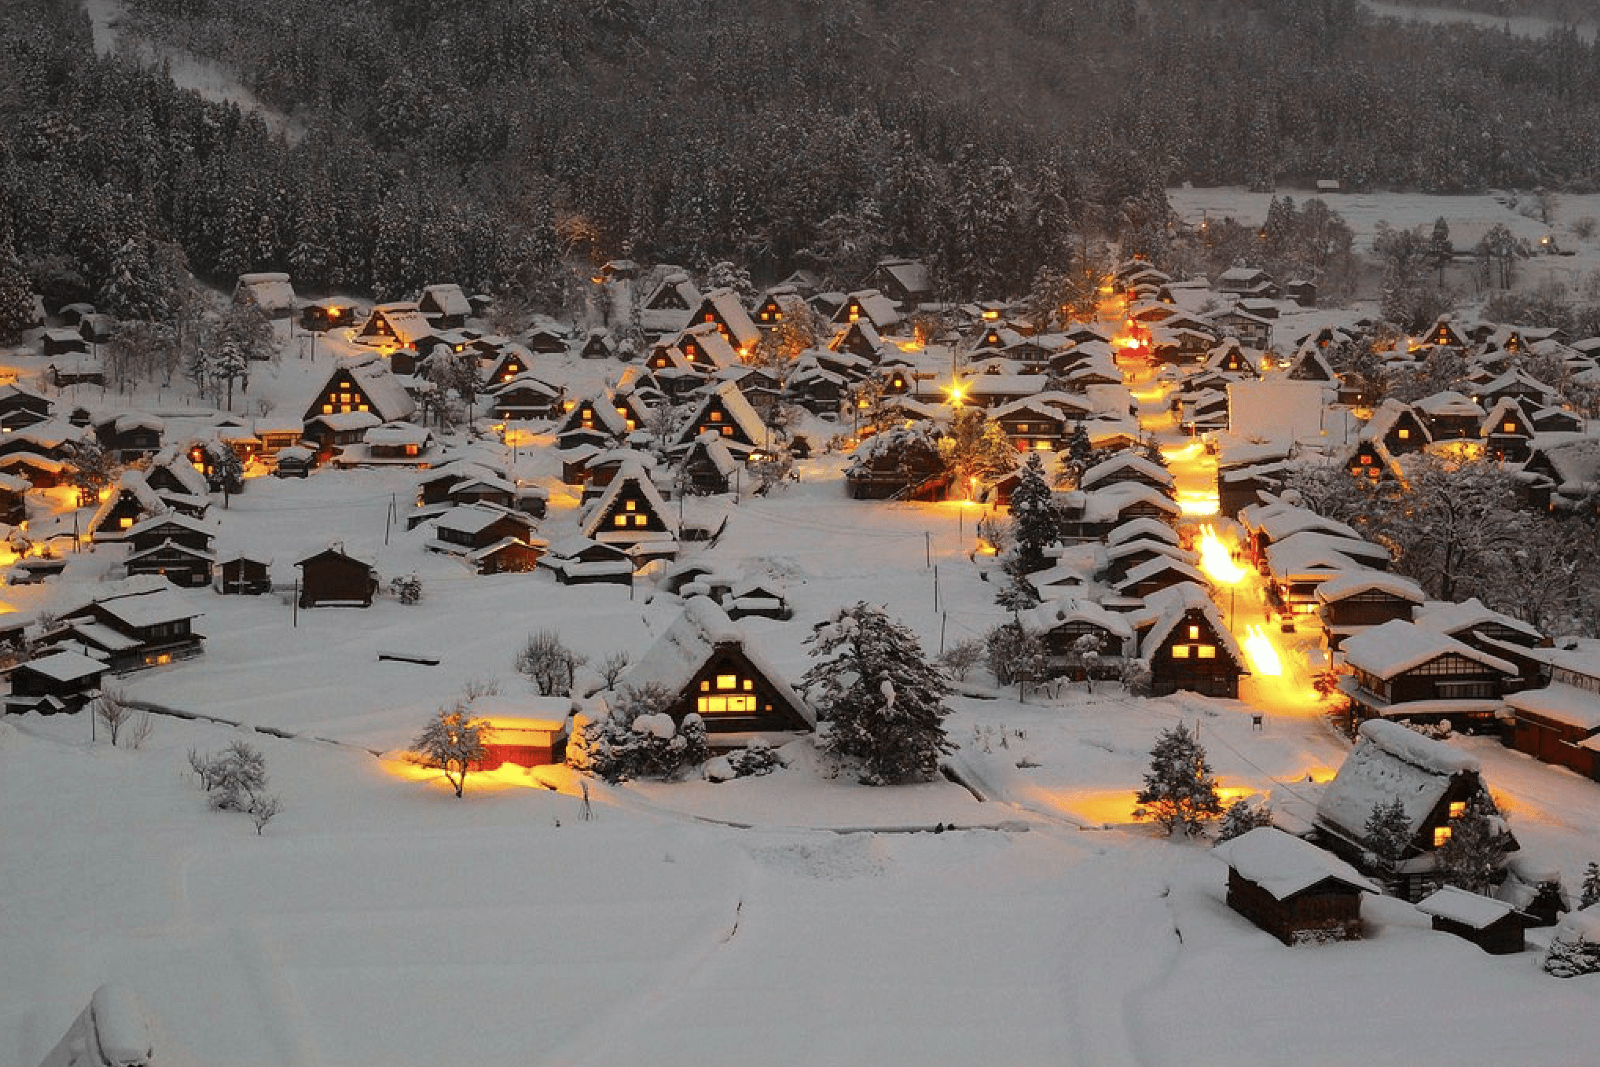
(16, 297)
(454, 741)
(882, 700)
(1387, 835)
(1034, 516)
(1571, 953)
(1179, 790)
(1242, 816)
(1589, 895)
(1474, 856)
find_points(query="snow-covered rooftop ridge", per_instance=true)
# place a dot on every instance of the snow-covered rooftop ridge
(1453, 617)
(1470, 909)
(1398, 646)
(1284, 865)
(1425, 753)
(1350, 583)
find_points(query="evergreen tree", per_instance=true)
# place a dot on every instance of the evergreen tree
(1474, 856)
(16, 297)
(883, 702)
(1572, 952)
(1242, 816)
(1387, 835)
(1179, 790)
(454, 742)
(1589, 894)
(1034, 516)
(1014, 653)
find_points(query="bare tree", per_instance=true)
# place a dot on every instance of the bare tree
(112, 709)
(454, 742)
(548, 663)
(611, 668)
(263, 810)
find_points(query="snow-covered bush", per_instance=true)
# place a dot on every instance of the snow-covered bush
(1015, 654)
(638, 739)
(1589, 894)
(959, 659)
(1136, 677)
(236, 780)
(755, 759)
(1575, 947)
(406, 588)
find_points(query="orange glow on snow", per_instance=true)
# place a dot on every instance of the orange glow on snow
(1263, 656)
(1216, 561)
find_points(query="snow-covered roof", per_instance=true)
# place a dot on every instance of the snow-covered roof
(632, 473)
(66, 666)
(1353, 583)
(1449, 403)
(388, 397)
(1284, 865)
(690, 641)
(1464, 616)
(1166, 608)
(1146, 469)
(1142, 528)
(1560, 702)
(269, 291)
(448, 298)
(1472, 910)
(1312, 550)
(139, 610)
(1391, 762)
(1053, 613)
(1398, 646)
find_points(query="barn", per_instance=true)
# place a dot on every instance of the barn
(1292, 889)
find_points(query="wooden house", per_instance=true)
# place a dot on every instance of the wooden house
(1292, 889)
(503, 363)
(525, 731)
(445, 306)
(180, 564)
(1272, 521)
(330, 313)
(1507, 431)
(1370, 461)
(756, 597)
(395, 325)
(147, 627)
(331, 433)
(1033, 424)
(709, 467)
(1127, 468)
(365, 386)
(493, 540)
(1445, 333)
(1450, 416)
(1128, 553)
(21, 408)
(907, 282)
(331, 578)
(1559, 722)
(668, 306)
(1515, 384)
(1310, 365)
(1404, 671)
(60, 342)
(1183, 637)
(1397, 427)
(871, 306)
(723, 410)
(1242, 486)
(902, 463)
(631, 515)
(1493, 925)
(58, 682)
(1478, 626)
(721, 308)
(76, 369)
(242, 575)
(1090, 515)
(130, 436)
(1160, 571)
(1240, 326)
(1563, 477)
(1248, 282)
(1069, 625)
(706, 349)
(14, 499)
(295, 462)
(581, 560)
(1358, 600)
(128, 502)
(1433, 781)
(703, 660)
(780, 304)
(523, 397)
(270, 292)
(1230, 358)
(861, 338)
(591, 420)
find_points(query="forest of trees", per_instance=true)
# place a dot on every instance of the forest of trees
(499, 145)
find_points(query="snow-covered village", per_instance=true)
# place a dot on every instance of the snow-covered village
(974, 597)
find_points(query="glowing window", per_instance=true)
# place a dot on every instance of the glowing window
(327, 409)
(1403, 434)
(640, 520)
(1458, 808)
(1441, 834)
(1511, 427)
(726, 704)
(1194, 633)
(1208, 651)
(705, 687)
(716, 416)
(631, 504)
(126, 522)
(1180, 651)
(727, 681)
(620, 520)
(727, 431)
(1042, 446)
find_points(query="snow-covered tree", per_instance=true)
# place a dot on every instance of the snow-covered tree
(1589, 893)
(235, 779)
(454, 741)
(1034, 516)
(1016, 654)
(1474, 856)
(1575, 947)
(1242, 816)
(1387, 835)
(882, 701)
(976, 448)
(16, 297)
(1179, 790)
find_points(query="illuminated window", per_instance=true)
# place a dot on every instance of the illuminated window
(640, 520)
(1194, 633)
(727, 431)
(716, 416)
(327, 409)
(705, 686)
(1366, 460)
(1180, 651)
(1511, 427)
(1441, 834)
(727, 681)
(1458, 808)
(631, 504)
(620, 520)
(747, 685)
(726, 704)
(125, 522)
(1208, 651)
(1403, 434)
(1042, 445)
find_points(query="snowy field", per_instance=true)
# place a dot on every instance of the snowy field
(795, 919)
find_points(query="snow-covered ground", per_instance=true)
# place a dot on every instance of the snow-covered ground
(1520, 25)
(799, 918)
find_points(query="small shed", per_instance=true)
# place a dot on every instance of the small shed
(331, 578)
(1292, 889)
(1493, 925)
(242, 575)
(529, 732)
(59, 682)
